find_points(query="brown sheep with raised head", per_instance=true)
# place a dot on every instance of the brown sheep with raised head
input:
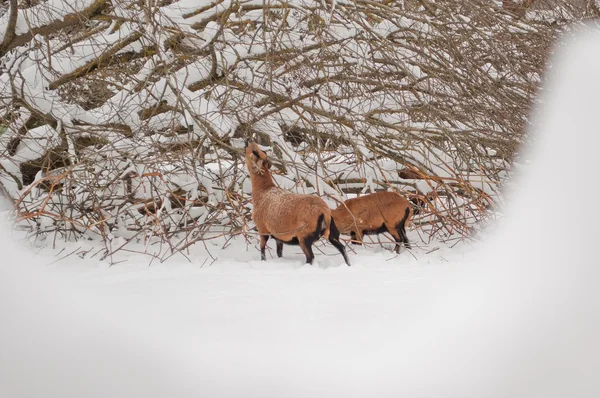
(374, 214)
(288, 217)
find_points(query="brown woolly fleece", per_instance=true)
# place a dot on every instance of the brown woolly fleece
(374, 214)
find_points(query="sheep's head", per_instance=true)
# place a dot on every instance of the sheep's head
(256, 159)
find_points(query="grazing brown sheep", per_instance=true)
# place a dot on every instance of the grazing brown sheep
(374, 214)
(288, 217)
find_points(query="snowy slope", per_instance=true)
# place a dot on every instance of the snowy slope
(518, 316)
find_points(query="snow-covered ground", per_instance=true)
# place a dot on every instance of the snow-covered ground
(517, 315)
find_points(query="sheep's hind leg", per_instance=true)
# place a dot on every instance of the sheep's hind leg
(397, 235)
(401, 228)
(403, 238)
(279, 249)
(263, 244)
(334, 239)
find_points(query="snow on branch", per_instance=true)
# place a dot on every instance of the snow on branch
(18, 26)
(125, 121)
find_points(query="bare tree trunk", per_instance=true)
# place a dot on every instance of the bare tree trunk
(12, 40)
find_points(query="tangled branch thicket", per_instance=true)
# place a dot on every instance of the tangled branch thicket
(124, 120)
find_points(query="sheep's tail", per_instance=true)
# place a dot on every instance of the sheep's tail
(325, 223)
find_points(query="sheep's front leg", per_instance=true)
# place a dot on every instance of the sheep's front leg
(279, 249)
(306, 247)
(263, 244)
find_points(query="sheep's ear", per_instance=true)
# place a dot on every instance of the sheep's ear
(268, 163)
(246, 143)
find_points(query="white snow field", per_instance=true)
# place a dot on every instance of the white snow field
(517, 315)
